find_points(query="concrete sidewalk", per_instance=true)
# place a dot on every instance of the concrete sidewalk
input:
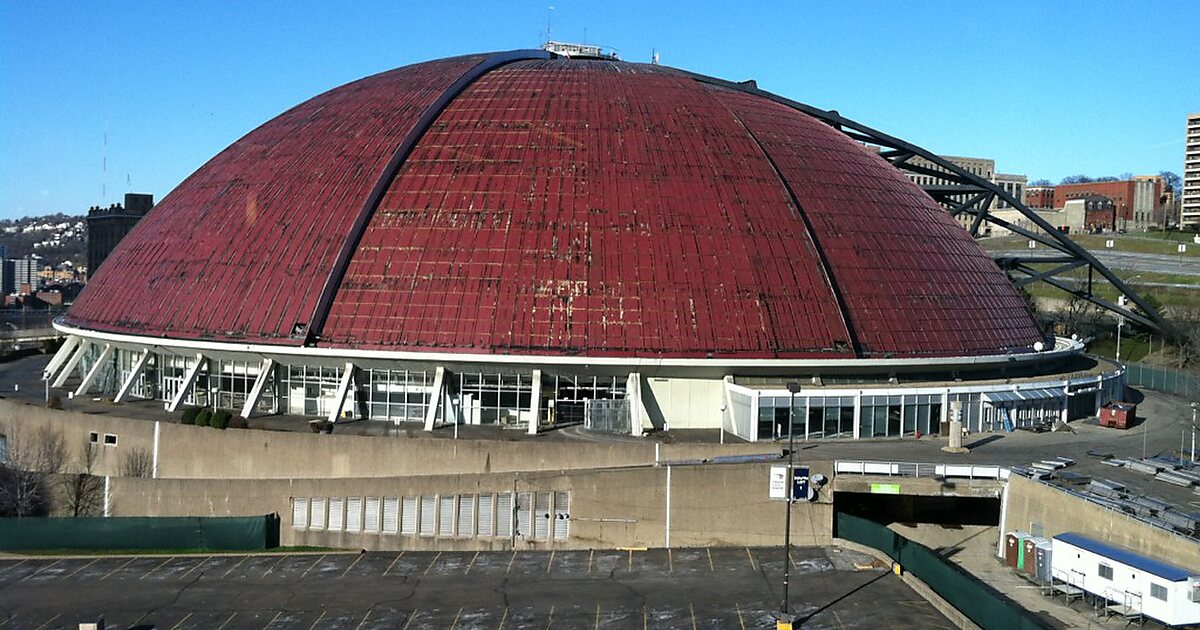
(973, 547)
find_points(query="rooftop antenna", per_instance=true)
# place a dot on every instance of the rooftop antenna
(549, 14)
(653, 56)
(104, 169)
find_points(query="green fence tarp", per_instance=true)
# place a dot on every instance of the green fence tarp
(224, 533)
(980, 603)
(1163, 379)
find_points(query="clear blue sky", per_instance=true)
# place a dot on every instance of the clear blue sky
(1047, 89)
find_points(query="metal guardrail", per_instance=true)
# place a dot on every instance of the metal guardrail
(920, 469)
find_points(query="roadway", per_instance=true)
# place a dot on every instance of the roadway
(1129, 261)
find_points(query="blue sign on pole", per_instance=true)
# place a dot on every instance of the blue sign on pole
(800, 483)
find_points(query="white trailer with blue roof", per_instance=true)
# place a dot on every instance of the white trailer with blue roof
(1132, 584)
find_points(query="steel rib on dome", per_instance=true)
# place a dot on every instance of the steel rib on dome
(579, 207)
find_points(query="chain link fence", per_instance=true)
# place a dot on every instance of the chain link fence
(1163, 379)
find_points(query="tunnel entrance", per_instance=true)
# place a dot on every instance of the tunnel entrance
(913, 509)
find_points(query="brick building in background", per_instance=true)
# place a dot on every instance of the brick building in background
(1039, 197)
(1137, 202)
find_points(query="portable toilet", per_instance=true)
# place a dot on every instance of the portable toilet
(1043, 561)
(1021, 538)
(1029, 554)
(1012, 548)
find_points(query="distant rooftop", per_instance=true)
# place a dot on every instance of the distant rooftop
(566, 49)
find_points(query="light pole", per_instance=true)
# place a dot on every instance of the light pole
(1195, 406)
(1120, 322)
(785, 608)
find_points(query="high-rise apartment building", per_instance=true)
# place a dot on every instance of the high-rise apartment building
(1190, 200)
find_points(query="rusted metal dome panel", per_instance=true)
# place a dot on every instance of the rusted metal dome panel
(557, 207)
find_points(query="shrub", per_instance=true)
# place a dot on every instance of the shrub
(189, 415)
(54, 402)
(238, 422)
(203, 417)
(220, 419)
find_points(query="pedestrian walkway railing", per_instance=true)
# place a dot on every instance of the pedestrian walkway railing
(918, 469)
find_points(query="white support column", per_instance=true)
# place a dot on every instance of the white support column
(535, 403)
(435, 398)
(633, 389)
(90, 377)
(857, 432)
(260, 383)
(60, 357)
(189, 379)
(1064, 412)
(154, 461)
(339, 399)
(133, 376)
(728, 408)
(70, 366)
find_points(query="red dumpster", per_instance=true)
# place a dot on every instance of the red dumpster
(1118, 415)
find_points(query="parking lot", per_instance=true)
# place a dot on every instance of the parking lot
(681, 588)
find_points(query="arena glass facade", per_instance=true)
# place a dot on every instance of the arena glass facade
(686, 395)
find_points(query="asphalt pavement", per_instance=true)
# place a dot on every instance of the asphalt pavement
(658, 588)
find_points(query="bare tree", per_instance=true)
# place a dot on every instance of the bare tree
(137, 463)
(1185, 335)
(30, 459)
(1078, 316)
(82, 490)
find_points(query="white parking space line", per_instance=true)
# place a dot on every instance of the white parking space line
(311, 566)
(180, 622)
(231, 616)
(118, 568)
(49, 621)
(272, 620)
(432, 562)
(389, 569)
(273, 565)
(40, 569)
(156, 567)
(13, 566)
(72, 574)
(364, 620)
(226, 574)
(360, 557)
(314, 624)
(197, 566)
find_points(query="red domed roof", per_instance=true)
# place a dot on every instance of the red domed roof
(515, 205)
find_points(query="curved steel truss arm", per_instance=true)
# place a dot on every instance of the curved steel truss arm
(963, 192)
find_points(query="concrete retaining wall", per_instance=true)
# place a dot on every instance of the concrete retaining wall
(189, 452)
(1031, 502)
(723, 505)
